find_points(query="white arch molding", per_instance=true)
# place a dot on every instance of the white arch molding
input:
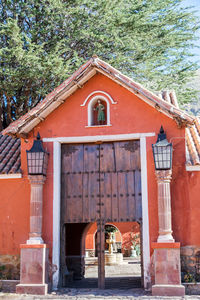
(99, 93)
(92, 98)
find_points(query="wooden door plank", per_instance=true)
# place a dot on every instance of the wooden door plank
(122, 190)
(138, 195)
(106, 195)
(74, 198)
(91, 158)
(86, 195)
(130, 196)
(135, 155)
(122, 157)
(66, 158)
(77, 159)
(115, 197)
(68, 202)
(107, 158)
(101, 254)
(94, 196)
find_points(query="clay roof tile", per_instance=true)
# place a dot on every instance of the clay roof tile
(10, 156)
(192, 136)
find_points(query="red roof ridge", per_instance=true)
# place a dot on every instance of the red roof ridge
(27, 122)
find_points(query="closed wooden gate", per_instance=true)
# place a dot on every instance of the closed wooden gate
(101, 183)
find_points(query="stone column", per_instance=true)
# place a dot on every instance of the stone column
(166, 255)
(164, 206)
(35, 253)
(36, 203)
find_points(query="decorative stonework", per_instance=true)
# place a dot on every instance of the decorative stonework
(164, 206)
(90, 252)
(188, 261)
(9, 267)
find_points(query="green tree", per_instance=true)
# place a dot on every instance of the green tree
(43, 42)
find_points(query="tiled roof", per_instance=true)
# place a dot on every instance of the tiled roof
(26, 123)
(192, 133)
(169, 96)
(10, 161)
(164, 101)
(193, 143)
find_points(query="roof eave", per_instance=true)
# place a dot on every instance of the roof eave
(85, 72)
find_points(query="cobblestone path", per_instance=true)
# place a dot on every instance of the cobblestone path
(94, 294)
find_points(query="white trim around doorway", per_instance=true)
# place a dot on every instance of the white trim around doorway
(57, 195)
(145, 215)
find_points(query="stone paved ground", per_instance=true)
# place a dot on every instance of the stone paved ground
(129, 267)
(94, 294)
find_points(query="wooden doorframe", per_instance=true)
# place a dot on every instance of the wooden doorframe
(57, 142)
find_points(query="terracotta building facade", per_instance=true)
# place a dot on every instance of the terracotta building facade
(98, 128)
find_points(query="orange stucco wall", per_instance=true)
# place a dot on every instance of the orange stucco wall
(129, 115)
(14, 214)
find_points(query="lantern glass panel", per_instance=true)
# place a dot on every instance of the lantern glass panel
(162, 156)
(37, 162)
(37, 158)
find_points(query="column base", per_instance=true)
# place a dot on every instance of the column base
(32, 289)
(168, 290)
(167, 238)
(35, 241)
(33, 269)
(110, 259)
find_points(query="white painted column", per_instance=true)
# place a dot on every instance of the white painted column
(145, 215)
(164, 206)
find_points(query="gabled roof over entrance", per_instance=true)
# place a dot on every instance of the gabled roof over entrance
(26, 123)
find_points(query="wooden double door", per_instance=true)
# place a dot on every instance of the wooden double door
(101, 183)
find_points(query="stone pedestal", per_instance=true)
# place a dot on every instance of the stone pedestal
(110, 258)
(167, 270)
(119, 258)
(33, 270)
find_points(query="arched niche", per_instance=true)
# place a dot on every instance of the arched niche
(93, 111)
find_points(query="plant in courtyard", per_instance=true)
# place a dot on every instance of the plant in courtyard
(110, 229)
(188, 277)
(135, 240)
(43, 42)
(3, 276)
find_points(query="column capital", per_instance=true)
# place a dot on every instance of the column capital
(163, 175)
(36, 179)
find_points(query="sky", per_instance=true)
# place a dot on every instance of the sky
(196, 4)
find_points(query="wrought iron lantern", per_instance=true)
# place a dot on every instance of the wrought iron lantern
(162, 152)
(37, 158)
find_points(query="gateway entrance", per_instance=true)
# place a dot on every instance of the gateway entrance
(100, 183)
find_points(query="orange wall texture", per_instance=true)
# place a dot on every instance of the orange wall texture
(14, 214)
(129, 115)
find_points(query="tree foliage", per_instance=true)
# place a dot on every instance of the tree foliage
(43, 42)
